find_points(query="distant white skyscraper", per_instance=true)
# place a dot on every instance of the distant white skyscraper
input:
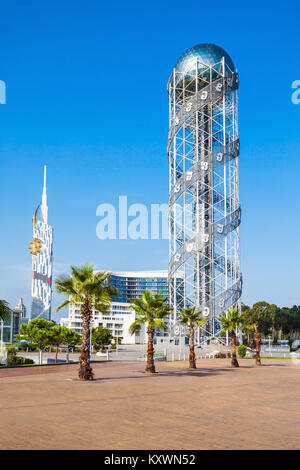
(42, 259)
(20, 307)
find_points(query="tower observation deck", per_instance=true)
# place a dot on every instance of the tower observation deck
(204, 207)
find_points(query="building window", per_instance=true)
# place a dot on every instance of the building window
(6, 335)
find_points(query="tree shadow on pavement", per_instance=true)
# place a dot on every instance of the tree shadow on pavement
(187, 373)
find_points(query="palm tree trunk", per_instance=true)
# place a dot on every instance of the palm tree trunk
(234, 361)
(85, 371)
(56, 353)
(150, 367)
(192, 357)
(257, 347)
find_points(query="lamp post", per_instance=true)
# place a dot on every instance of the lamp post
(90, 341)
(1, 347)
(269, 344)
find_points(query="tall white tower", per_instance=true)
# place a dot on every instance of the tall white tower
(20, 307)
(42, 260)
(204, 207)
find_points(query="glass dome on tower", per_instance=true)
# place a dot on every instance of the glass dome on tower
(206, 55)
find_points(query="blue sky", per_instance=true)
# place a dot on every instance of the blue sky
(86, 94)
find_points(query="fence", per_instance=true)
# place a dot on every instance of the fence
(184, 355)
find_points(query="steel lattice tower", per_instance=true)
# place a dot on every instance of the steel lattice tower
(204, 207)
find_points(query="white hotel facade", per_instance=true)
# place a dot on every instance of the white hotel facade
(120, 316)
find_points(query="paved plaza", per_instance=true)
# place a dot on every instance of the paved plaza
(214, 407)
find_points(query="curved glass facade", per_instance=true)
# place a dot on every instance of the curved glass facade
(133, 287)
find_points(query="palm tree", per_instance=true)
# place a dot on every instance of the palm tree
(5, 311)
(150, 310)
(190, 317)
(230, 322)
(259, 318)
(88, 288)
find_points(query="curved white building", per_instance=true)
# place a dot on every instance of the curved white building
(130, 285)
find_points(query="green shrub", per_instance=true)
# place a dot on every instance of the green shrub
(28, 361)
(11, 350)
(12, 357)
(14, 360)
(101, 337)
(27, 346)
(242, 350)
(220, 355)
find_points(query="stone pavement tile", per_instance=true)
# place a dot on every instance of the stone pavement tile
(214, 407)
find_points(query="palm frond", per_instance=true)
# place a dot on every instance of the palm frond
(191, 316)
(230, 321)
(83, 273)
(66, 302)
(85, 285)
(5, 310)
(65, 285)
(158, 323)
(135, 327)
(151, 309)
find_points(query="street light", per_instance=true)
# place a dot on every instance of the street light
(2, 323)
